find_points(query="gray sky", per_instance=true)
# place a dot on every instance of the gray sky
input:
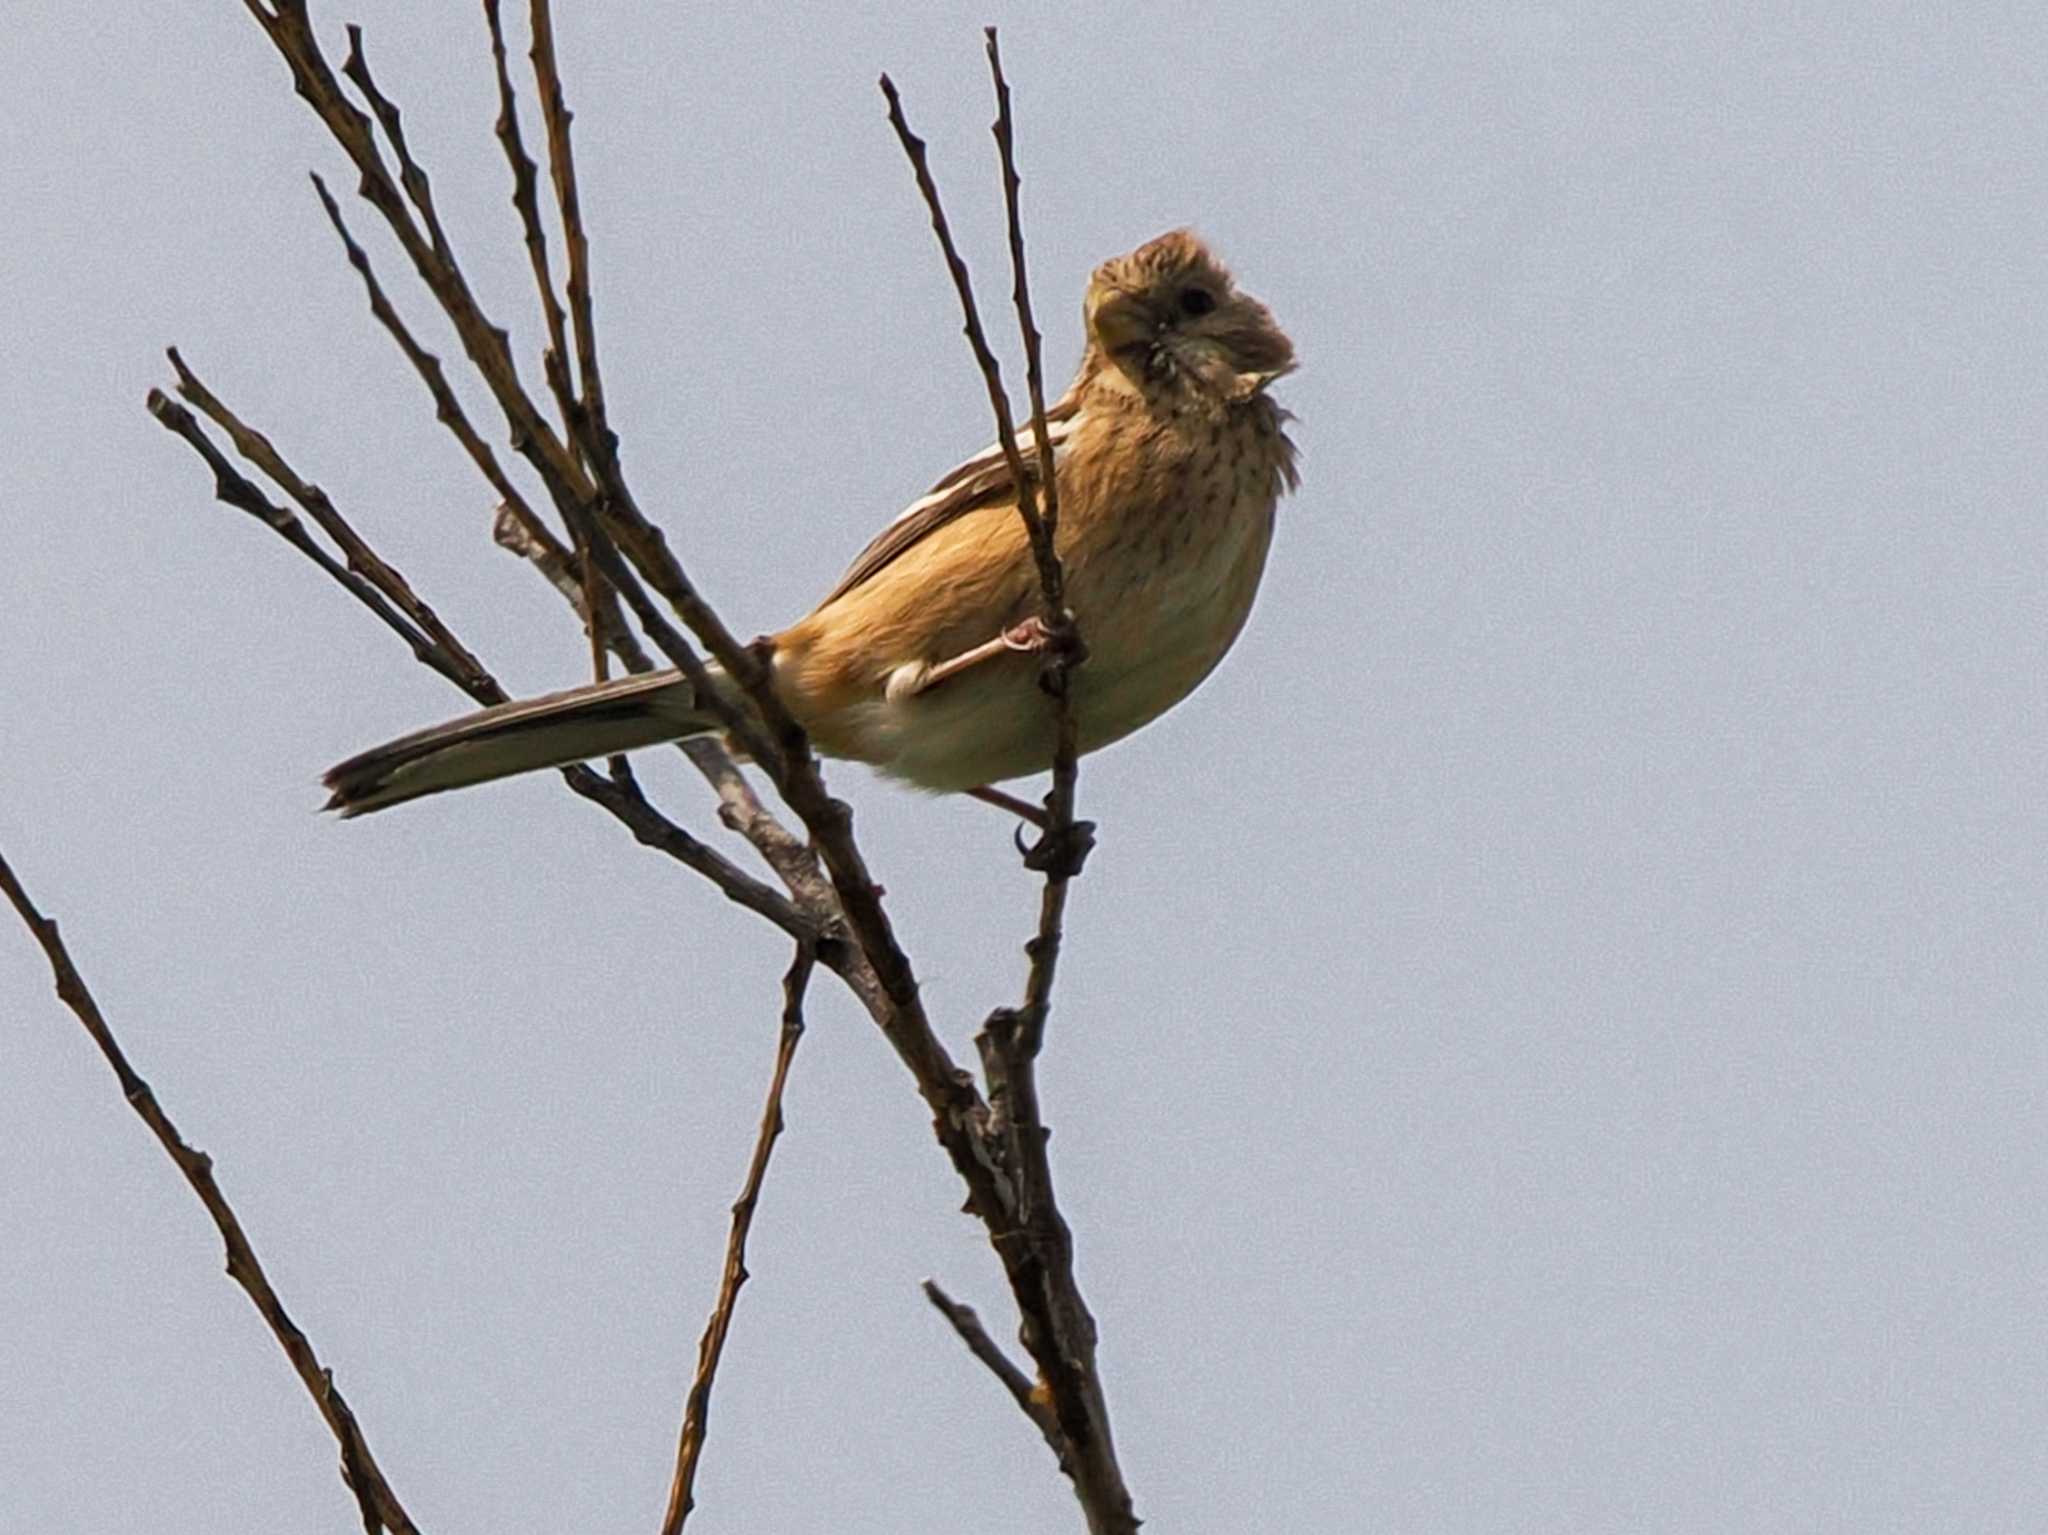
(1551, 1037)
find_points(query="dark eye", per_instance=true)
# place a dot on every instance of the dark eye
(1195, 302)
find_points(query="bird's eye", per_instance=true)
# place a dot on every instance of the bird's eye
(1195, 302)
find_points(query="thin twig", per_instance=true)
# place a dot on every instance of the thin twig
(651, 828)
(792, 859)
(555, 357)
(559, 568)
(697, 1405)
(1066, 843)
(258, 450)
(375, 1500)
(611, 510)
(234, 488)
(967, 1324)
(411, 174)
(447, 408)
(485, 343)
(562, 169)
(741, 810)
(1051, 576)
(413, 177)
(524, 182)
(991, 369)
(786, 757)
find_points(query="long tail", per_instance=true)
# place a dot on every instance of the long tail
(550, 731)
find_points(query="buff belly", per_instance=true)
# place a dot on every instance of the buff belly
(1149, 646)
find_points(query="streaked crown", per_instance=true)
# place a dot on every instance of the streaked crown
(1169, 311)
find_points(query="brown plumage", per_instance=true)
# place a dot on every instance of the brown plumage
(1170, 457)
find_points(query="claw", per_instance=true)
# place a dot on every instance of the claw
(1062, 853)
(1027, 634)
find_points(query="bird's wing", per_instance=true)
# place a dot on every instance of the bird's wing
(982, 480)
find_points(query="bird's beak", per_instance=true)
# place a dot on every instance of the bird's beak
(1250, 384)
(1118, 321)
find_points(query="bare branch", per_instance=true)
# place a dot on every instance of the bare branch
(411, 175)
(447, 408)
(967, 1324)
(564, 571)
(468, 671)
(1020, 294)
(381, 588)
(991, 369)
(583, 416)
(378, 1504)
(562, 168)
(622, 797)
(486, 344)
(894, 1003)
(232, 487)
(1065, 845)
(1066, 842)
(414, 181)
(697, 1406)
(524, 182)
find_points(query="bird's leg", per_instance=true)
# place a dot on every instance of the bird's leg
(1027, 635)
(1024, 810)
(1064, 853)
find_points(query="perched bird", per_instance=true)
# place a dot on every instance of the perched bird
(1170, 458)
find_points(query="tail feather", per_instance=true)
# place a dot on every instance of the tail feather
(552, 730)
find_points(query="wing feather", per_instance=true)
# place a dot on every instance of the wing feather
(981, 481)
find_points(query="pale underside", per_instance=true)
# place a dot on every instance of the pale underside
(1165, 525)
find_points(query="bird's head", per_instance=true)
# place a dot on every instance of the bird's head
(1169, 314)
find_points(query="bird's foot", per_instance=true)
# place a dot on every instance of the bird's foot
(1029, 635)
(1060, 852)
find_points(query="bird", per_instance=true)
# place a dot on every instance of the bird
(1170, 456)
